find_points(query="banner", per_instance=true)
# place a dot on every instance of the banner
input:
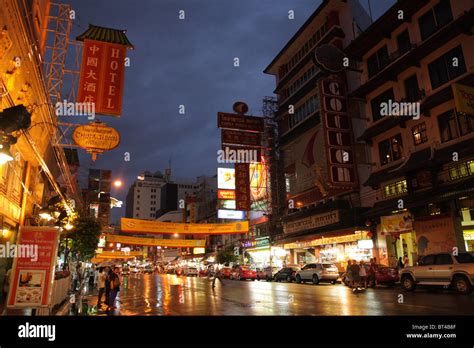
(146, 226)
(102, 76)
(464, 98)
(311, 222)
(170, 243)
(435, 234)
(33, 267)
(118, 255)
(397, 223)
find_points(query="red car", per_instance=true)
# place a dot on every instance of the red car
(226, 272)
(261, 275)
(242, 273)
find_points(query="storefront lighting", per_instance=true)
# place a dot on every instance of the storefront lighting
(176, 235)
(68, 226)
(5, 155)
(5, 233)
(111, 244)
(45, 214)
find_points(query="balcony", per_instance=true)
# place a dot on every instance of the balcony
(400, 61)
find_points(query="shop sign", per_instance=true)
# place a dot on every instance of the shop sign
(241, 138)
(312, 222)
(96, 138)
(256, 243)
(226, 194)
(240, 122)
(242, 186)
(33, 267)
(397, 223)
(435, 234)
(230, 214)
(226, 178)
(226, 204)
(102, 76)
(328, 240)
(464, 98)
(158, 227)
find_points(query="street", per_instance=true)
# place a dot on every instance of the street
(164, 294)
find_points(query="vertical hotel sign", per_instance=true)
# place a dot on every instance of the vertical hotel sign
(337, 133)
(102, 76)
(33, 272)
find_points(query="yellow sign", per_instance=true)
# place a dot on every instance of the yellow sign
(171, 243)
(328, 240)
(145, 226)
(464, 98)
(96, 138)
(398, 223)
(118, 254)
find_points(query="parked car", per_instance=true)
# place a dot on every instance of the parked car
(243, 273)
(318, 272)
(260, 274)
(384, 275)
(270, 273)
(441, 269)
(190, 271)
(226, 272)
(286, 273)
(148, 269)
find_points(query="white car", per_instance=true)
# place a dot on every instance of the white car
(443, 270)
(318, 272)
(190, 271)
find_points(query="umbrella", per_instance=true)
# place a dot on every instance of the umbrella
(105, 264)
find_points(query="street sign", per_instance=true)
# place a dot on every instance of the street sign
(240, 122)
(241, 138)
(96, 138)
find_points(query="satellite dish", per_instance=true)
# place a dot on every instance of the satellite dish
(240, 107)
(329, 58)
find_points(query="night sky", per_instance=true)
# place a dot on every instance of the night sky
(188, 62)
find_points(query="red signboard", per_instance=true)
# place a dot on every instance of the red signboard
(241, 138)
(226, 194)
(33, 269)
(240, 122)
(102, 76)
(337, 133)
(242, 186)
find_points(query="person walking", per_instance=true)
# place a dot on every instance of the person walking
(107, 272)
(354, 270)
(114, 287)
(217, 275)
(373, 273)
(348, 273)
(363, 274)
(101, 286)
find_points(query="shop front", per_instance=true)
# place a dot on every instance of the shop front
(335, 247)
(257, 251)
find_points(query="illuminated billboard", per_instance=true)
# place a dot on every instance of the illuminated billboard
(230, 214)
(226, 194)
(259, 185)
(226, 178)
(226, 204)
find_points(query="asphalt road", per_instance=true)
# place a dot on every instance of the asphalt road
(164, 294)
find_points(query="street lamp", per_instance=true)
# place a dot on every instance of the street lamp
(118, 183)
(5, 155)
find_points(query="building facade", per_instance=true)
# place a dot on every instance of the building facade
(419, 53)
(321, 221)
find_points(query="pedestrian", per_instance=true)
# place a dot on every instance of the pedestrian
(400, 263)
(363, 274)
(101, 286)
(406, 261)
(373, 273)
(217, 275)
(348, 278)
(114, 287)
(354, 271)
(107, 271)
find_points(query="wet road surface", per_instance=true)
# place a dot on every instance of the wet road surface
(164, 294)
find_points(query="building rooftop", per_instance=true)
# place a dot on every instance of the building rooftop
(115, 36)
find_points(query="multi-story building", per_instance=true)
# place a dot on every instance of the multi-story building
(316, 143)
(97, 195)
(29, 179)
(144, 196)
(422, 170)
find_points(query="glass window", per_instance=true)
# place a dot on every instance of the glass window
(390, 149)
(395, 189)
(419, 134)
(444, 259)
(403, 41)
(412, 91)
(447, 67)
(461, 170)
(376, 103)
(377, 61)
(435, 18)
(447, 126)
(428, 260)
(464, 258)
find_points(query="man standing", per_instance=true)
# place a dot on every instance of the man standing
(217, 275)
(114, 287)
(101, 286)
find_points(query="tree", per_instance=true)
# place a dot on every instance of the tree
(84, 237)
(226, 255)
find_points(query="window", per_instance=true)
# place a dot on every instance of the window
(444, 259)
(436, 18)
(377, 101)
(304, 111)
(390, 149)
(464, 258)
(403, 41)
(395, 189)
(461, 170)
(377, 61)
(444, 69)
(412, 91)
(419, 133)
(452, 127)
(428, 260)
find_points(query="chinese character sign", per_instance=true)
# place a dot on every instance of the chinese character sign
(242, 186)
(102, 76)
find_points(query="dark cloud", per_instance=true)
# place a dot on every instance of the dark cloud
(189, 62)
